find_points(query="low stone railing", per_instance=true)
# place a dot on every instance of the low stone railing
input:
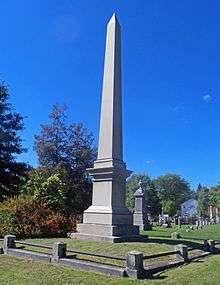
(134, 260)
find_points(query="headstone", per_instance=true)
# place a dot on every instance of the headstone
(217, 215)
(160, 219)
(108, 218)
(179, 222)
(140, 210)
(176, 220)
(166, 225)
(200, 223)
(210, 212)
(166, 221)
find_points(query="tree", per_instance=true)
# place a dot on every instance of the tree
(50, 144)
(214, 196)
(173, 190)
(198, 190)
(12, 173)
(203, 202)
(67, 150)
(151, 195)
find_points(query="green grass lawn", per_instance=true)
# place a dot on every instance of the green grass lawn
(15, 271)
(203, 271)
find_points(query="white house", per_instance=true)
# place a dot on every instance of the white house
(189, 208)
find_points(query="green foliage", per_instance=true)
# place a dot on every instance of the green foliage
(12, 173)
(151, 195)
(203, 202)
(67, 151)
(55, 188)
(170, 207)
(214, 196)
(34, 182)
(173, 190)
(46, 188)
(28, 217)
(51, 192)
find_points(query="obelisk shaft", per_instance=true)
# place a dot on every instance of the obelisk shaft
(110, 136)
(108, 218)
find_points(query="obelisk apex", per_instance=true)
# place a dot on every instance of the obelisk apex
(110, 135)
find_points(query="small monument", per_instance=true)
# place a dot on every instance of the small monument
(216, 215)
(140, 209)
(179, 222)
(108, 218)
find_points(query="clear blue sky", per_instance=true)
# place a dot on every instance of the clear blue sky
(53, 51)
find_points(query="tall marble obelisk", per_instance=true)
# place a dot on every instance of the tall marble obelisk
(107, 218)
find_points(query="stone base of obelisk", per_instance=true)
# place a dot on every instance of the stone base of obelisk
(108, 233)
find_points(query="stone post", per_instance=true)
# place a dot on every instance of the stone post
(183, 252)
(140, 216)
(59, 250)
(205, 245)
(135, 266)
(211, 246)
(175, 235)
(9, 242)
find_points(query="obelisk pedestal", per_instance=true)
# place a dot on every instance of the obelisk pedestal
(108, 219)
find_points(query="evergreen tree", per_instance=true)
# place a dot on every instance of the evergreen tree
(50, 144)
(199, 189)
(12, 173)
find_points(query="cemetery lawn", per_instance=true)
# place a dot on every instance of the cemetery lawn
(209, 232)
(202, 271)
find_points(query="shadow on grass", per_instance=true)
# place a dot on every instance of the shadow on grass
(173, 242)
(156, 276)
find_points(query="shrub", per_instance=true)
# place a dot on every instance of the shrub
(51, 192)
(27, 217)
(45, 187)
